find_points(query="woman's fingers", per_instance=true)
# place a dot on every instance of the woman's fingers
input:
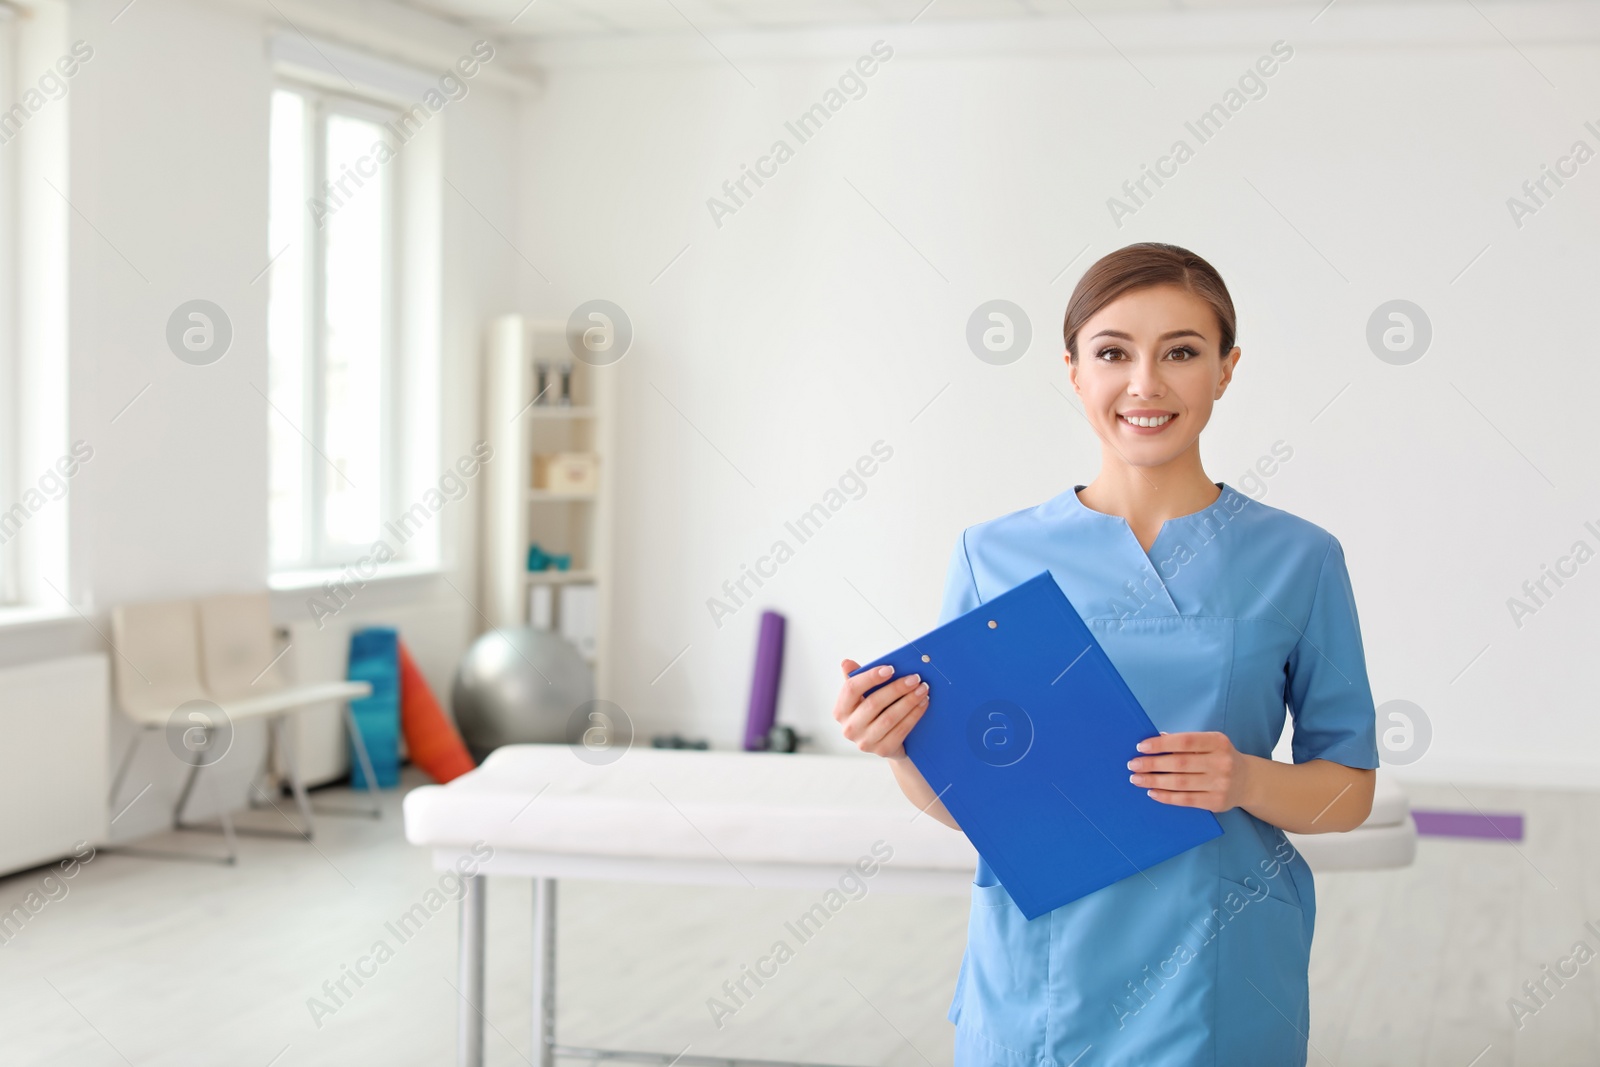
(860, 683)
(1185, 771)
(1185, 800)
(878, 722)
(887, 721)
(1184, 761)
(852, 688)
(1185, 783)
(895, 739)
(874, 704)
(1196, 772)
(1192, 741)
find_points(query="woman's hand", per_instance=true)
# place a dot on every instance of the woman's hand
(1195, 770)
(879, 723)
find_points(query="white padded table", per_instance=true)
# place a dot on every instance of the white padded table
(715, 818)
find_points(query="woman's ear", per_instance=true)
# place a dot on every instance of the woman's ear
(1072, 370)
(1229, 361)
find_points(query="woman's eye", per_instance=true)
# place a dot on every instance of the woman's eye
(1188, 353)
(1107, 352)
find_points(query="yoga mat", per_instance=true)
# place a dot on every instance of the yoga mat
(1506, 827)
(764, 688)
(375, 659)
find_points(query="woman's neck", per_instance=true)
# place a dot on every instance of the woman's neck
(1148, 496)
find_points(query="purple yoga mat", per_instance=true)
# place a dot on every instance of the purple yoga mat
(1468, 824)
(764, 688)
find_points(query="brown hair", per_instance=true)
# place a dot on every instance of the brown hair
(1140, 266)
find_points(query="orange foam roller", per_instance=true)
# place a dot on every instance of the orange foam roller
(431, 738)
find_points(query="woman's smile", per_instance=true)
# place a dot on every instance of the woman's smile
(1146, 421)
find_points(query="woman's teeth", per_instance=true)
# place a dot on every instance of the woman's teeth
(1146, 420)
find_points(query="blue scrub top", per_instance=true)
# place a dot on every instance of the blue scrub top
(1237, 612)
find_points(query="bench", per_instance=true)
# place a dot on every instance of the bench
(196, 668)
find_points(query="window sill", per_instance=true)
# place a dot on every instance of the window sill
(314, 580)
(32, 616)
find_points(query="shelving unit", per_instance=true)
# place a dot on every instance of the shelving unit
(548, 496)
(517, 513)
(571, 411)
(554, 577)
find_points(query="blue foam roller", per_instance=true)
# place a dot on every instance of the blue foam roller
(375, 659)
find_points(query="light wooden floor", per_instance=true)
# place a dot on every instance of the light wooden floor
(144, 962)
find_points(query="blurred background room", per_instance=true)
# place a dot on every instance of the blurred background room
(389, 383)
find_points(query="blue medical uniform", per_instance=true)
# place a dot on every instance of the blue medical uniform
(1235, 613)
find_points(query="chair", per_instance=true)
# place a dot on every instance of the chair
(217, 658)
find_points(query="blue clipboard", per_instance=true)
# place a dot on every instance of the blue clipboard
(1026, 740)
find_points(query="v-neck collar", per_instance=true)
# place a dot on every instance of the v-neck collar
(1121, 531)
(1075, 504)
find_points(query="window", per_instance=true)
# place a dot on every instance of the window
(38, 465)
(9, 408)
(333, 372)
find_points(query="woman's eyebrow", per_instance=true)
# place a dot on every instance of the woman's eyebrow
(1164, 337)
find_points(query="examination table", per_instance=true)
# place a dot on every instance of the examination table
(695, 817)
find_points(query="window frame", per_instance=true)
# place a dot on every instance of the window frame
(11, 435)
(317, 550)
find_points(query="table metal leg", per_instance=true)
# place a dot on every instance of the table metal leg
(360, 756)
(360, 745)
(470, 1010)
(545, 1049)
(544, 972)
(280, 730)
(470, 985)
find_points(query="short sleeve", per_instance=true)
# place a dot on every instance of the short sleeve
(960, 587)
(1328, 692)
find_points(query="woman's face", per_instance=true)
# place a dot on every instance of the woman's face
(1151, 356)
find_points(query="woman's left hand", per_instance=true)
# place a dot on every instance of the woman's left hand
(1196, 770)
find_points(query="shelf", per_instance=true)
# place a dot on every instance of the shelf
(555, 577)
(561, 411)
(518, 511)
(547, 496)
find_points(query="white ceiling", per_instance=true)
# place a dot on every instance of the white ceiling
(566, 18)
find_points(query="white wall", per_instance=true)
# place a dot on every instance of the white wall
(168, 179)
(830, 310)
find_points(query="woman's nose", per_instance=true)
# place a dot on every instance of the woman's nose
(1145, 379)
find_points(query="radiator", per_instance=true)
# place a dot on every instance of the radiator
(54, 765)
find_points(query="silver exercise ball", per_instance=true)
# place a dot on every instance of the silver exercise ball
(519, 685)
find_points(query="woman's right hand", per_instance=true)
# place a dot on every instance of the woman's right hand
(879, 723)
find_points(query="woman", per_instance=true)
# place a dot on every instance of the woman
(1218, 611)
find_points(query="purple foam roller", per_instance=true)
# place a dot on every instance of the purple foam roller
(764, 688)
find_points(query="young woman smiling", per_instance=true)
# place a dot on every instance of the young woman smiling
(1242, 612)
